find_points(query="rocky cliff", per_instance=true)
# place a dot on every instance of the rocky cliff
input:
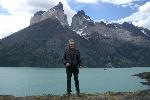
(56, 12)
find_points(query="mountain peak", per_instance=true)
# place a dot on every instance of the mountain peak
(81, 13)
(56, 12)
(58, 7)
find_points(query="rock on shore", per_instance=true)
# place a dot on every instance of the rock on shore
(146, 76)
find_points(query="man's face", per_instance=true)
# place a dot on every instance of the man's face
(72, 46)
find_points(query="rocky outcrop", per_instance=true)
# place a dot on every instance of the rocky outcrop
(56, 12)
(80, 21)
(37, 17)
(146, 76)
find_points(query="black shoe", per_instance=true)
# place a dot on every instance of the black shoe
(68, 93)
(78, 94)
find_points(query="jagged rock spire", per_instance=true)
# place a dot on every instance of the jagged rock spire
(56, 12)
(58, 7)
(81, 13)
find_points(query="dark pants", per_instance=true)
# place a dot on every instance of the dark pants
(75, 72)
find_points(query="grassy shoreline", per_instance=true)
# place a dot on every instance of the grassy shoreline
(138, 95)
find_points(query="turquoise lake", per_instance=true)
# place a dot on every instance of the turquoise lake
(27, 81)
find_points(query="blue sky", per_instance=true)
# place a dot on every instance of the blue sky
(99, 11)
(16, 14)
(106, 11)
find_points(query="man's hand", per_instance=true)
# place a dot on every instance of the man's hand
(81, 66)
(67, 64)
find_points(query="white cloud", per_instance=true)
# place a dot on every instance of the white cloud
(22, 10)
(141, 17)
(87, 1)
(115, 2)
(9, 24)
(119, 2)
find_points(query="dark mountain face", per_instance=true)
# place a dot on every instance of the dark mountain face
(43, 43)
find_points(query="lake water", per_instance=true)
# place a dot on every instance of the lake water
(26, 81)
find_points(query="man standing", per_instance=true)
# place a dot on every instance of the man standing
(71, 60)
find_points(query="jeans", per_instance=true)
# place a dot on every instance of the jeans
(75, 72)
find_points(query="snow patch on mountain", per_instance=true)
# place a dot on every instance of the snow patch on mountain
(143, 31)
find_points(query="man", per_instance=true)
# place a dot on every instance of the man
(71, 60)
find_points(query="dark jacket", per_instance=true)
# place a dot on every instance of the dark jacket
(72, 56)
